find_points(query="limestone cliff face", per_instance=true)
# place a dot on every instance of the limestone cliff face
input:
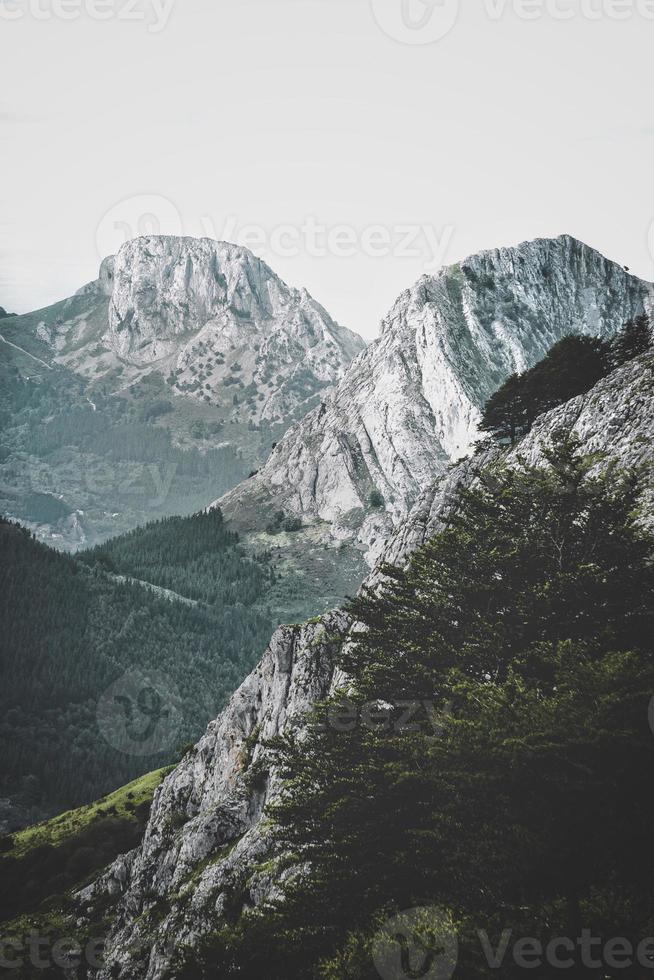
(614, 419)
(409, 404)
(211, 317)
(205, 834)
(205, 837)
(216, 312)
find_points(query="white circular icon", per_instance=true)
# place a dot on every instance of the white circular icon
(140, 714)
(134, 217)
(416, 21)
(419, 943)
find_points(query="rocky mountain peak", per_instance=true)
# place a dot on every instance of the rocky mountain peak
(505, 307)
(211, 308)
(409, 405)
(208, 314)
(195, 337)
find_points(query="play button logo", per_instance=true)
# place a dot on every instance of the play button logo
(419, 944)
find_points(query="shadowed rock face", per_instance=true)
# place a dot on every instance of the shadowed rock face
(199, 868)
(409, 404)
(212, 803)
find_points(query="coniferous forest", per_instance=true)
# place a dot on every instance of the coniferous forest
(73, 626)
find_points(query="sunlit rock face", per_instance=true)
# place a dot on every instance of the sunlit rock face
(217, 304)
(409, 405)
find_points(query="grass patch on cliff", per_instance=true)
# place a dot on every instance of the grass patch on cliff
(122, 804)
(40, 864)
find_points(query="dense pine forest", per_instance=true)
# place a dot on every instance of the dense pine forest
(516, 796)
(73, 626)
(197, 557)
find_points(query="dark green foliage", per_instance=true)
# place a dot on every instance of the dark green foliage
(47, 862)
(284, 522)
(199, 429)
(156, 409)
(518, 795)
(571, 367)
(197, 557)
(505, 415)
(634, 339)
(71, 627)
(376, 500)
(46, 870)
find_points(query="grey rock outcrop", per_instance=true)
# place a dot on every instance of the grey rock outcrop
(184, 343)
(212, 316)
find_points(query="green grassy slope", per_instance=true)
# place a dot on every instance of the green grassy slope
(42, 865)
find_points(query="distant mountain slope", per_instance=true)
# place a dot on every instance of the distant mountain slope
(410, 403)
(73, 627)
(210, 869)
(181, 346)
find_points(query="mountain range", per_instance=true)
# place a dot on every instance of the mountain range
(218, 852)
(372, 444)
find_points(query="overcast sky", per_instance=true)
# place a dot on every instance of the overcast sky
(364, 142)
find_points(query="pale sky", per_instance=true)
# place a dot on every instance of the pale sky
(527, 118)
